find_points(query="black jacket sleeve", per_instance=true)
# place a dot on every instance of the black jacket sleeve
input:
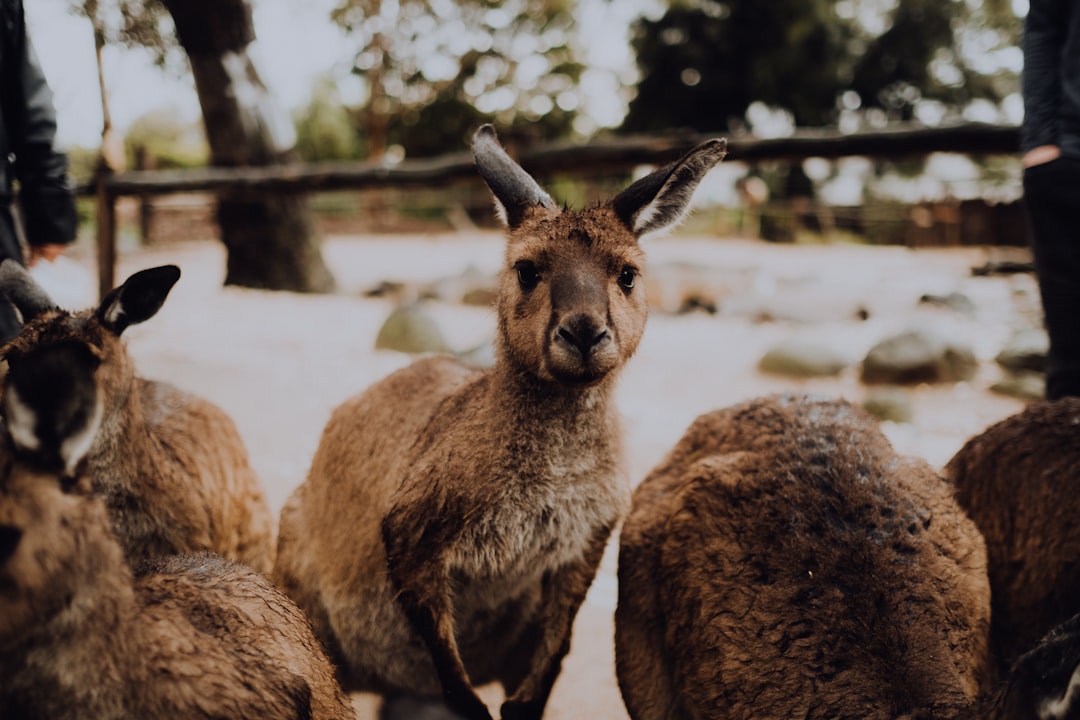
(45, 192)
(1045, 30)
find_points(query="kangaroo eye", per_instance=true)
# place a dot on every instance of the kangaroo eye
(528, 276)
(627, 278)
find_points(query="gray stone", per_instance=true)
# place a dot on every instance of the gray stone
(803, 358)
(1025, 350)
(1022, 384)
(918, 356)
(957, 301)
(409, 329)
(891, 404)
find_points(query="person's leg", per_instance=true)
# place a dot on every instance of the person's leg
(1052, 196)
(9, 248)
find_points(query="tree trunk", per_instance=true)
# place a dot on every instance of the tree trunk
(272, 242)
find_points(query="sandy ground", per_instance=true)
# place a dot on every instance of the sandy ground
(279, 363)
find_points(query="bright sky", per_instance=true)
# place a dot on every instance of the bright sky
(296, 43)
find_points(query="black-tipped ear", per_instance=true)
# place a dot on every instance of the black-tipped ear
(138, 299)
(1045, 681)
(660, 199)
(514, 189)
(23, 291)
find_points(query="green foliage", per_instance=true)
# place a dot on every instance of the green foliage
(326, 129)
(82, 162)
(705, 62)
(436, 68)
(134, 24)
(169, 142)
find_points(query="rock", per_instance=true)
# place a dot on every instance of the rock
(803, 358)
(892, 404)
(472, 285)
(1022, 384)
(957, 301)
(917, 356)
(1025, 350)
(409, 329)
(684, 287)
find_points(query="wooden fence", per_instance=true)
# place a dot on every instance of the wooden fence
(614, 154)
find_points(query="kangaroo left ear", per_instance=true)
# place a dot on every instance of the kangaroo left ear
(514, 189)
(20, 288)
(660, 199)
(138, 299)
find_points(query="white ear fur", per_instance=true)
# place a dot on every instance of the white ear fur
(1058, 708)
(76, 445)
(661, 200)
(21, 421)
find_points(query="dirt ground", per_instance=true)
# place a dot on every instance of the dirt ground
(279, 363)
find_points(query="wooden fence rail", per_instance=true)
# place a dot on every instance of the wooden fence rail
(612, 154)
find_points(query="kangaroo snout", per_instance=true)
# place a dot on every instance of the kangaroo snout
(582, 333)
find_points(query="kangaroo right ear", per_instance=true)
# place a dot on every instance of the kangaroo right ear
(660, 199)
(514, 189)
(1045, 681)
(138, 299)
(23, 291)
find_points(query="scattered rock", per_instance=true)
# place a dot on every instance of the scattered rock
(472, 283)
(918, 356)
(957, 301)
(1022, 384)
(684, 287)
(892, 404)
(409, 329)
(1025, 350)
(803, 358)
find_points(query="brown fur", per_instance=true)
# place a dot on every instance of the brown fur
(194, 636)
(453, 519)
(784, 562)
(172, 467)
(1018, 481)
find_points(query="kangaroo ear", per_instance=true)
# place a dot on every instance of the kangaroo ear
(138, 299)
(514, 189)
(1044, 682)
(23, 291)
(660, 199)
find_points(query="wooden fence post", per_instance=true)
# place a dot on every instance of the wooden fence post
(106, 230)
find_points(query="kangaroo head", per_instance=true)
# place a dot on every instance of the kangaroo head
(572, 306)
(54, 534)
(53, 338)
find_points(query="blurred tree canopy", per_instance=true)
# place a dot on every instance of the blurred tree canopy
(703, 63)
(434, 69)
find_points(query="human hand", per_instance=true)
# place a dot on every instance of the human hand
(48, 252)
(1041, 154)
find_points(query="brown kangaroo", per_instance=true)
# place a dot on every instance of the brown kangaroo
(172, 467)
(453, 519)
(783, 561)
(81, 637)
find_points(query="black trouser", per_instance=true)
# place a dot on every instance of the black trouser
(9, 248)
(1052, 196)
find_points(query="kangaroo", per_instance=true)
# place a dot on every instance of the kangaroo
(453, 519)
(172, 467)
(83, 637)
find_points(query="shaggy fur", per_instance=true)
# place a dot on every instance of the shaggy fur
(453, 519)
(171, 467)
(82, 638)
(1018, 481)
(784, 562)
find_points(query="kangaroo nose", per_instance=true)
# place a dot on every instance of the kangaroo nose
(9, 540)
(583, 334)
